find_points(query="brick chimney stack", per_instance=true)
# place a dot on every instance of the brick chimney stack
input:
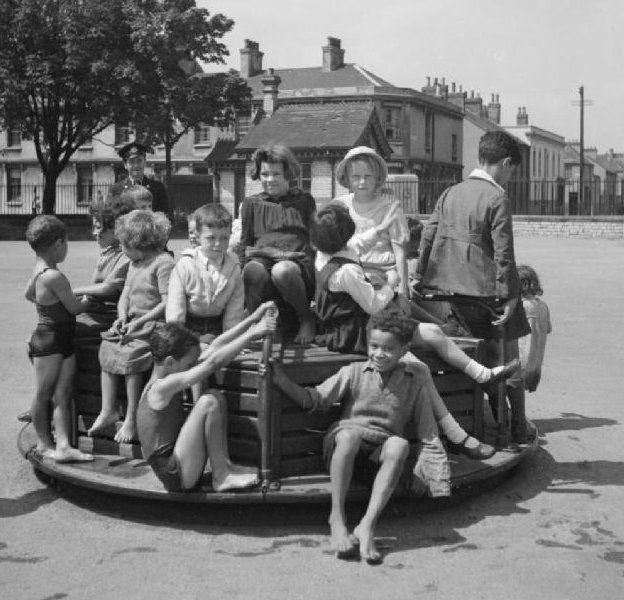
(494, 110)
(522, 118)
(333, 55)
(270, 84)
(457, 97)
(474, 105)
(428, 89)
(250, 59)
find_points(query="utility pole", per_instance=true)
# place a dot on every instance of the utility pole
(582, 103)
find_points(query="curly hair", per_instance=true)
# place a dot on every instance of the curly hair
(494, 146)
(394, 321)
(276, 154)
(44, 230)
(332, 227)
(211, 215)
(143, 230)
(529, 281)
(108, 211)
(137, 194)
(172, 339)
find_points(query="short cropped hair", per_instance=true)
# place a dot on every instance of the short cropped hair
(143, 230)
(529, 281)
(494, 146)
(108, 211)
(136, 194)
(211, 215)
(415, 234)
(276, 154)
(43, 231)
(394, 321)
(332, 227)
(172, 339)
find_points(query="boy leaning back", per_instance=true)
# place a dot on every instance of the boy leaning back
(51, 345)
(382, 399)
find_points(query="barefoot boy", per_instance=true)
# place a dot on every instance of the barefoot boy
(51, 346)
(177, 449)
(380, 397)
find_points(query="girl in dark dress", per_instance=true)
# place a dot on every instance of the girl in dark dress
(275, 243)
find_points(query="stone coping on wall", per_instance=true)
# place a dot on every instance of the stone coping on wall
(607, 227)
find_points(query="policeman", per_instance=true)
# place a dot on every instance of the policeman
(134, 158)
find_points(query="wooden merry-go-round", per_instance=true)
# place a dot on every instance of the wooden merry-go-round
(266, 429)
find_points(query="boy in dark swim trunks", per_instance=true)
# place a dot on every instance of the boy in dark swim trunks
(51, 346)
(178, 449)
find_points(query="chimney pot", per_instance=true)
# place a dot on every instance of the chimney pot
(270, 83)
(453, 87)
(428, 81)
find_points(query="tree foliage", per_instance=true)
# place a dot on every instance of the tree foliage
(178, 38)
(71, 68)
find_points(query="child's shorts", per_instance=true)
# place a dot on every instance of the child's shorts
(167, 468)
(47, 340)
(366, 463)
(128, 358)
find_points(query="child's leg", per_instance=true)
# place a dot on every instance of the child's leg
(203, 436)
(62, 415)
(286, 276)
(258, 285)
(47, 370)
(431, 336)
(393, 455)
(347, 444)
(134, 387)
(108, 413)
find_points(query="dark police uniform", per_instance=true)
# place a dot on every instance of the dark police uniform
(161, 200)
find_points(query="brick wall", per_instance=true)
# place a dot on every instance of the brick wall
(581, 227)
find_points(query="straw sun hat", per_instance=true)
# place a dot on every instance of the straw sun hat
(355, 153)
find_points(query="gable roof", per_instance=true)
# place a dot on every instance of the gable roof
(330, 126)
(487, 125)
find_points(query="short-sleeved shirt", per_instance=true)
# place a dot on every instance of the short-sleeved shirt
(380, 406)
(146, 284)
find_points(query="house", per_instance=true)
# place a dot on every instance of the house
(546, 170)
(423, 132)
(91, 170)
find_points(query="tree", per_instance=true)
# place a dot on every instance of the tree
(71, 68)
(173, 41)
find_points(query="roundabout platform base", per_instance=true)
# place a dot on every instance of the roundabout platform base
(128, 476)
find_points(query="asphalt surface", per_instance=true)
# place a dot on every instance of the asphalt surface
(553, 530)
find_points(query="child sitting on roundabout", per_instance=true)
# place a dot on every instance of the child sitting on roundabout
(345, 299)
(178, 449)
(381, 398)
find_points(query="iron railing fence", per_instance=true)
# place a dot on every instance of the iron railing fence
(71, 199)
(557, 197)
(547, 197)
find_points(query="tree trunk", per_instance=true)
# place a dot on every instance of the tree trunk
(48, 203)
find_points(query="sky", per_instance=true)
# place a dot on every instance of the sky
(533, 53)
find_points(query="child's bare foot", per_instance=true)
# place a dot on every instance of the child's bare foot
(68, 455)
(368, 549)
(44, 450)
(234, 481)
(306, 332)
(102, 422)
(243, 469)
(127, 433)
(345, 545)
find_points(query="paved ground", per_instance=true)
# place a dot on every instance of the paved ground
(555, 530)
